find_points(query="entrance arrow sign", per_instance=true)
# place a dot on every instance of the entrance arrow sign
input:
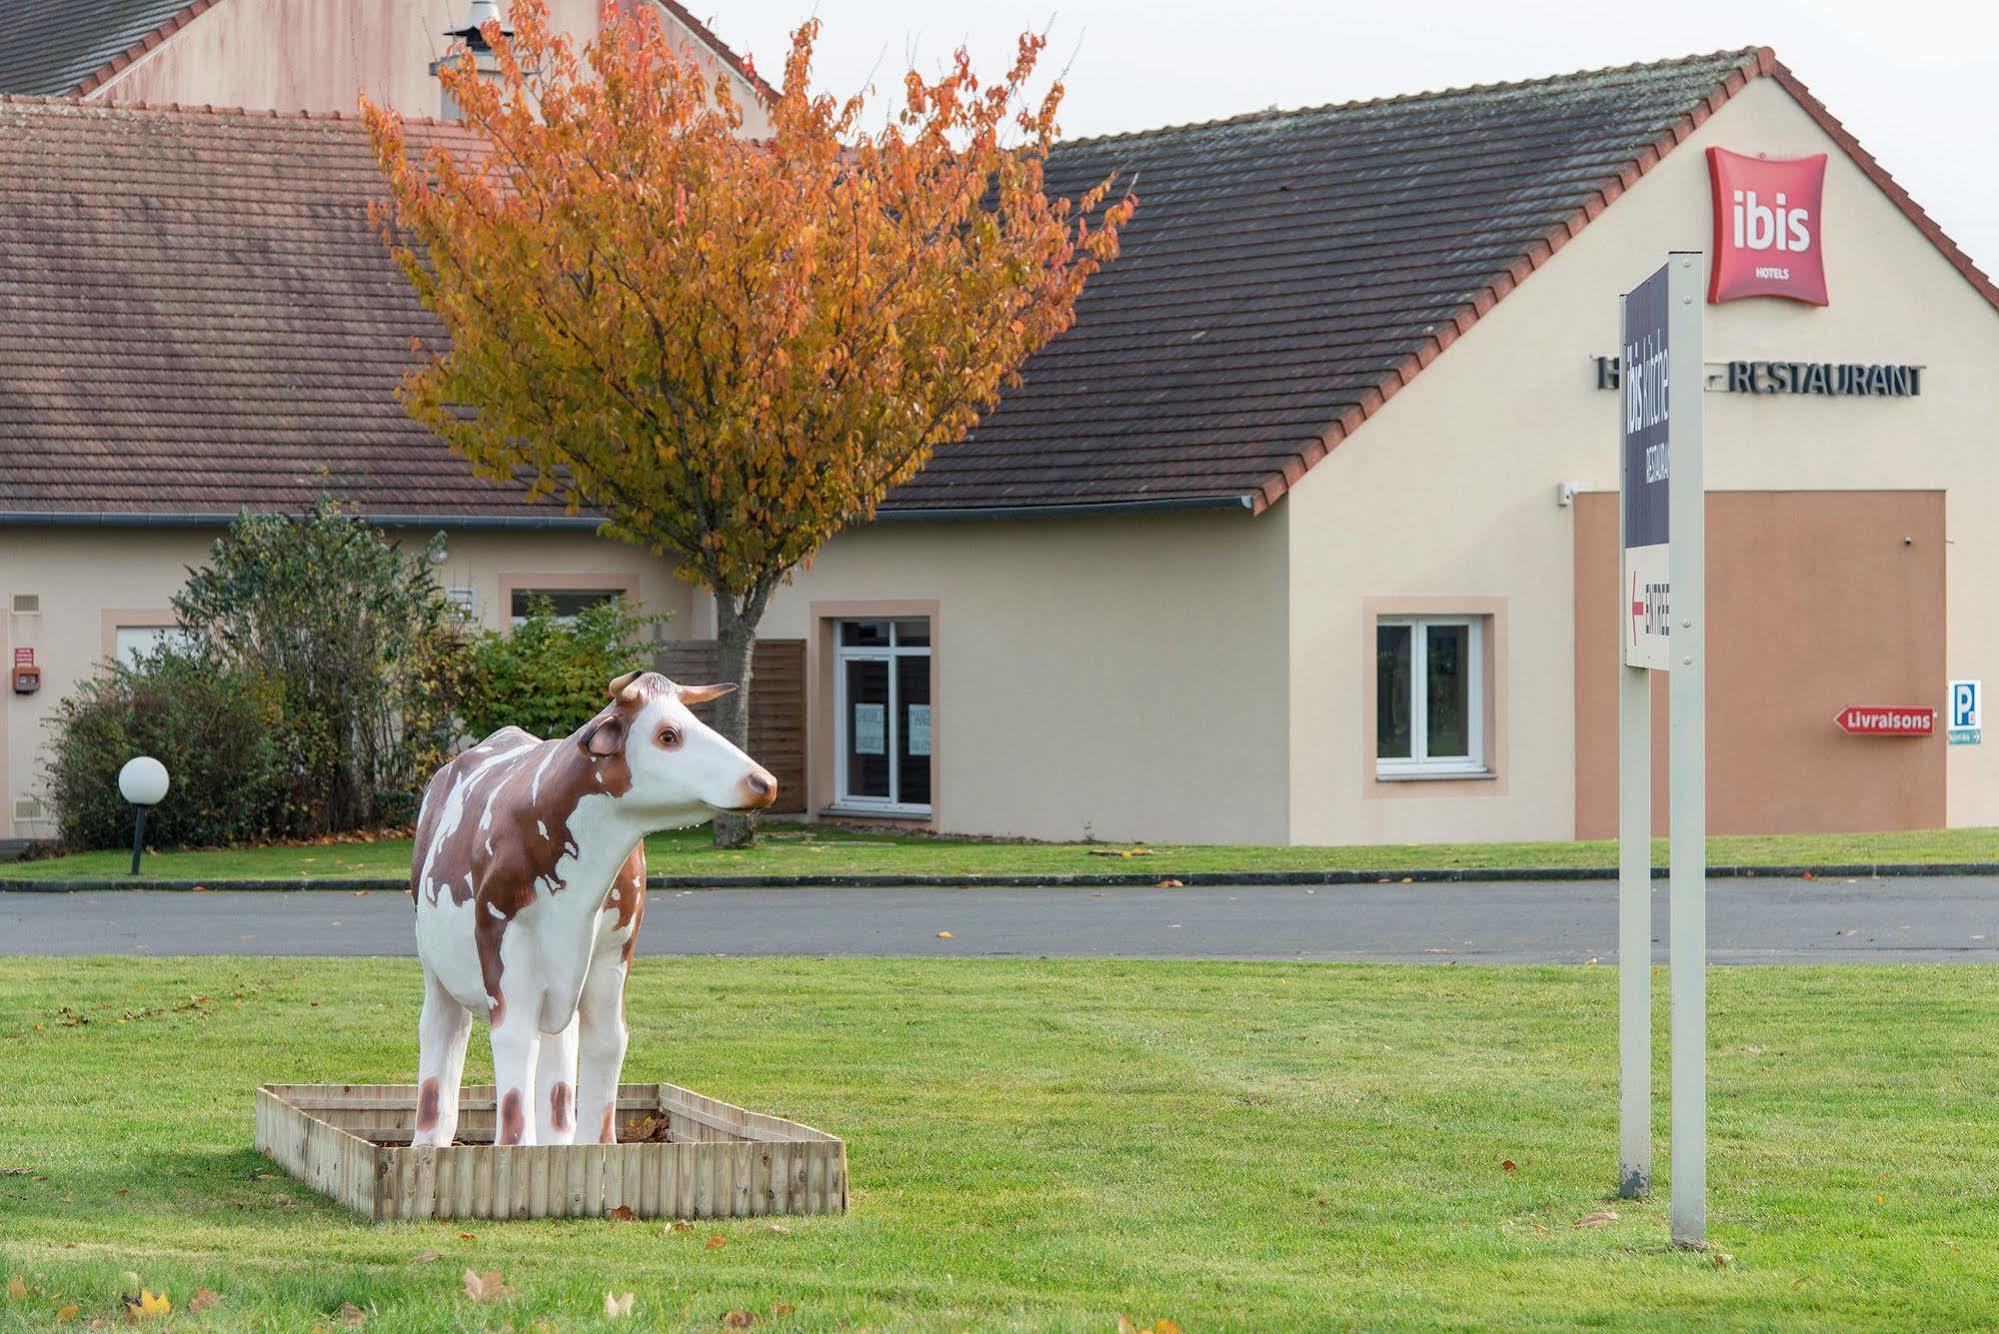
(1872, 720)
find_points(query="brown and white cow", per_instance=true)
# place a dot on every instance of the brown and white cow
(529, 880)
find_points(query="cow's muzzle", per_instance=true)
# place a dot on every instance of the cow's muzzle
(757, 790)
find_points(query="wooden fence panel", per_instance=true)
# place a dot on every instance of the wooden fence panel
(777, 705)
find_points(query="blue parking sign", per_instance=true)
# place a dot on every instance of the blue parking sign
(1967, 712)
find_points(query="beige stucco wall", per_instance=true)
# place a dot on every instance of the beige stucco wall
(1124, 676)
(318, 55)
(1449, 491)
(90, 580)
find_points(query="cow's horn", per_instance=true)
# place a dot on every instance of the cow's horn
(627, 683)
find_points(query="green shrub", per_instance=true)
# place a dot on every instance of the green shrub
(364, 648)
(547, 674)
(217, 729)
(317, 696)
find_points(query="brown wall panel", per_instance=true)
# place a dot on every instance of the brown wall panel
(1817, 600)
(777, 706)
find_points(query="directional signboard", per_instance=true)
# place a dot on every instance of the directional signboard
(1663, 516)
(1867, 720)
(1647, 385)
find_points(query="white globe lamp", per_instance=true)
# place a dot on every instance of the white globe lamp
(143, 782)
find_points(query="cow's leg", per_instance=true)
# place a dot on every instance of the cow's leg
(602, 1044)
(441, 1035)
(555, 1086)
(516, 1052)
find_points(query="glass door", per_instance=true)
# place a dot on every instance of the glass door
(883, 729)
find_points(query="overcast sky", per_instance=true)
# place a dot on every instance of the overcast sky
(1914, 80)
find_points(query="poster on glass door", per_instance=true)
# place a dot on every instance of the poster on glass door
(870, 729)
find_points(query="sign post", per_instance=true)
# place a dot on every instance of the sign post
(1686, 942)
(1662, 520)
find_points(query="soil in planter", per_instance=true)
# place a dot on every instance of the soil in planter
(649, 1129)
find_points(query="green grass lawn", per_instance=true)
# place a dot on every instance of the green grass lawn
(1051, 1145)
(822, 850)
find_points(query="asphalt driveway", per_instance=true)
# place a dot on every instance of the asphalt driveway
(1892, 920)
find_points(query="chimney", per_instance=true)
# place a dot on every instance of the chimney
(469, 37)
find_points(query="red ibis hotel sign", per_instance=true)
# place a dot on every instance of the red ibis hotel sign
(1768, 230)
(1870, 720)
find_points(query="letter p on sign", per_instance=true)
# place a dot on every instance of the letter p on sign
(1967, 704)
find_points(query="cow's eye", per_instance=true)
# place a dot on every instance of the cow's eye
(669, 737)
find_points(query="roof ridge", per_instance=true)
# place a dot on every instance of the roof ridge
(70, 101)
(143, 45)
(1745, 56)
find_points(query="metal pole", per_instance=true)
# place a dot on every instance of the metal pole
(138, 837)
(1634, 931)
(1634, 901)
(1687, 941)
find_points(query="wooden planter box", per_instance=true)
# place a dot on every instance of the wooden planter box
(351, 1143)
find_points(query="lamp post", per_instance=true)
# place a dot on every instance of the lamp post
(143, 782)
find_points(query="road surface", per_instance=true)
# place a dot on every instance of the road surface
(1898, 920)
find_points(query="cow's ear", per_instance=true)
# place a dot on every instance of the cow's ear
(605, 737)
(618, 686)
(702, 694)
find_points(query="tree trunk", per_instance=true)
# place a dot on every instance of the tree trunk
(735, 634)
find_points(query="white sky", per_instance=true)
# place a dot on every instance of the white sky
(1914, 80)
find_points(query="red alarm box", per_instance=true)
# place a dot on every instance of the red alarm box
(27, 676)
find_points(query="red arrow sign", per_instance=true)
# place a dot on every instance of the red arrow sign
(1868, 720)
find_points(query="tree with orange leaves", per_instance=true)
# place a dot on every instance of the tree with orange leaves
(730, 348)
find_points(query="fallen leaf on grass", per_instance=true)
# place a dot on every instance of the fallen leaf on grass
(782, 1308)
(203, 1299)
(681, 1226)
(65, 1314)
(738, 1320)
(426, 1257)
(1507, 1165)
(1722, 1259)
(146, 1304)
(353, 1316)
(623, 1213)
(717, 1242)
(17, 1289)
(617, 1307)
(1125, 1325)
(466, 1236)
(485, 1287)
(1601, 1218)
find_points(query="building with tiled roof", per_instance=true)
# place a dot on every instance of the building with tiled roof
(289, 55)
(1227, 620)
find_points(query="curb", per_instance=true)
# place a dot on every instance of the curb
(1112, 880)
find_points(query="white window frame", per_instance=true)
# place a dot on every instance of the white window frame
(1419, 763)
(129, 654)
(532, 591)
(844, 654)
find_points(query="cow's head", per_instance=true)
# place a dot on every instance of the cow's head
(680, 768)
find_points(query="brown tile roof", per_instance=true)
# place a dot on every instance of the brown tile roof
(198, 317)
(1288, 272)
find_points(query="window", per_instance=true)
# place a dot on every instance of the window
(464, 600)
(132, 642)
(882, 723)
(1429, 697)
(567, 602)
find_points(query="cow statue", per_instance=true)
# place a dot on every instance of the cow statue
(529, 878)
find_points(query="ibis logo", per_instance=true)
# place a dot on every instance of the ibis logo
(1768, 233)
